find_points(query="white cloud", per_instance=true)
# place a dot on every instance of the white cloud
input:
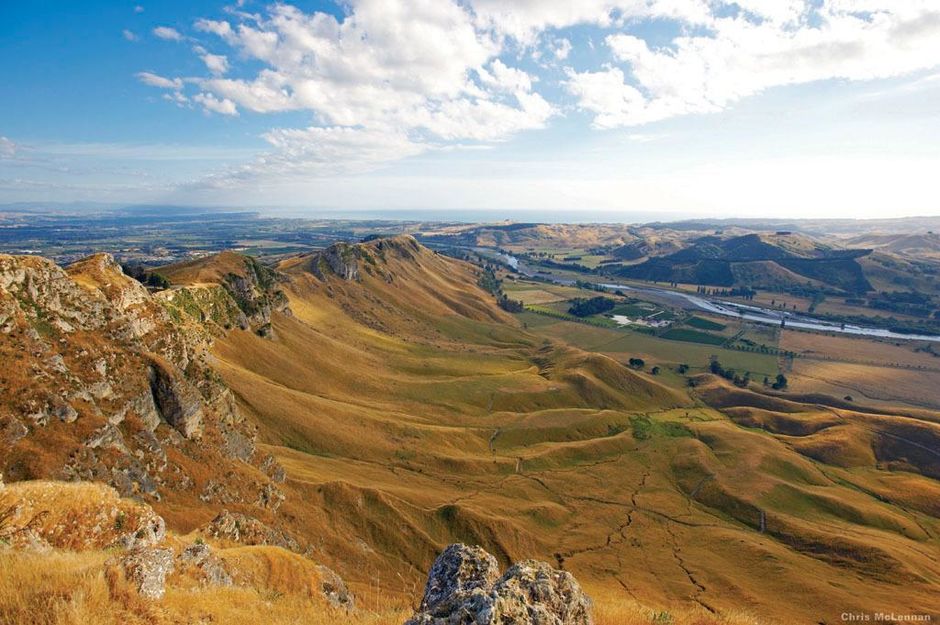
(524, 20)
(421, 68)
(138, 9)
(395, 78)
(7, 148)
(741, 57)
(177, 98)
(213, 104)
(215, 63)
(129, 35)
(504, 78)
(167, 33)
(155, 80)
(562, 49)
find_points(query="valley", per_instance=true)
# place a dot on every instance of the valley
(389, 403)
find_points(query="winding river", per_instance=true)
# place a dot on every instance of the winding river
(730, 309)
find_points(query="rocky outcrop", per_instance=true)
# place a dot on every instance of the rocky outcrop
(464, 588)
(178, 402)
(147, 569)
(103, 381)
(246, 530)
(226, 291)
(205, 565)
(339, 259)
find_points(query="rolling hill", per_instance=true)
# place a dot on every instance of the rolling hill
(394, 408)
(760, 260)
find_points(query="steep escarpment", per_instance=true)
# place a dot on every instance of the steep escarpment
(227, 290)
(101, 383)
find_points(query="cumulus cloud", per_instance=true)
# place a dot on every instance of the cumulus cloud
(217, 64)
(7, 148)
(129, 35)
(212, 104)
(393, 73)
(770, 44)
(395, 78)
(167, 33)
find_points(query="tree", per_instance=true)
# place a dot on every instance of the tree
(683, 368)
(586, 307)
(655, 370)
(781, 382)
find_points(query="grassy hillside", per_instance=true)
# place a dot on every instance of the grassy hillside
(410, 412)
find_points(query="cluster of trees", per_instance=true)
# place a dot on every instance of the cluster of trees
(586, 307)
(729, 374)
(147, 278)
(904, 302)
(779, 383)
(745, 292)
(637, 363)
(509, 305)
(491, 284)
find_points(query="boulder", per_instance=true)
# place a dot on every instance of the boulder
(464, 588)
(335, 590)
(459, 575)
(147, 569)
(209, 567)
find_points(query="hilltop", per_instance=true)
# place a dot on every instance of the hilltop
(763, 260)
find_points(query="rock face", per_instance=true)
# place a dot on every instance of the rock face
(103, 381)
(178, 402)
(226, 291)
(342, 260)
(464, 588)
(147, 570)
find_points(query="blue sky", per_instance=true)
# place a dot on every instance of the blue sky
(672, 107)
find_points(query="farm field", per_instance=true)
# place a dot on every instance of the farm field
(884, 385)
(860, 350)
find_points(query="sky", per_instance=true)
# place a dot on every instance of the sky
(755, 108)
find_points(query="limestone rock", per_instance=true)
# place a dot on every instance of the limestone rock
(147, 570)
(210, 567)
(273, 469)
(334, 589)
(464, 588)
(241, 528)
(176, 399)
(459, 574)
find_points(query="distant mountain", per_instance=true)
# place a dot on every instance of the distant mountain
(920, 245)
(769, 260)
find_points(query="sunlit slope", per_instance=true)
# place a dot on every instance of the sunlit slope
(409, 411)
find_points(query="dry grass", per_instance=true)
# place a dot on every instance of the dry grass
(628, 612)
(63, 588)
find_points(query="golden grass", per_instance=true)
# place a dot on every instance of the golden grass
(880, 386)
(67, 588)
(622, 611)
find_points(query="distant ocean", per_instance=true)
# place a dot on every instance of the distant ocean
(488, 215)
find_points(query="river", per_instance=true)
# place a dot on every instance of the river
(756, 314)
